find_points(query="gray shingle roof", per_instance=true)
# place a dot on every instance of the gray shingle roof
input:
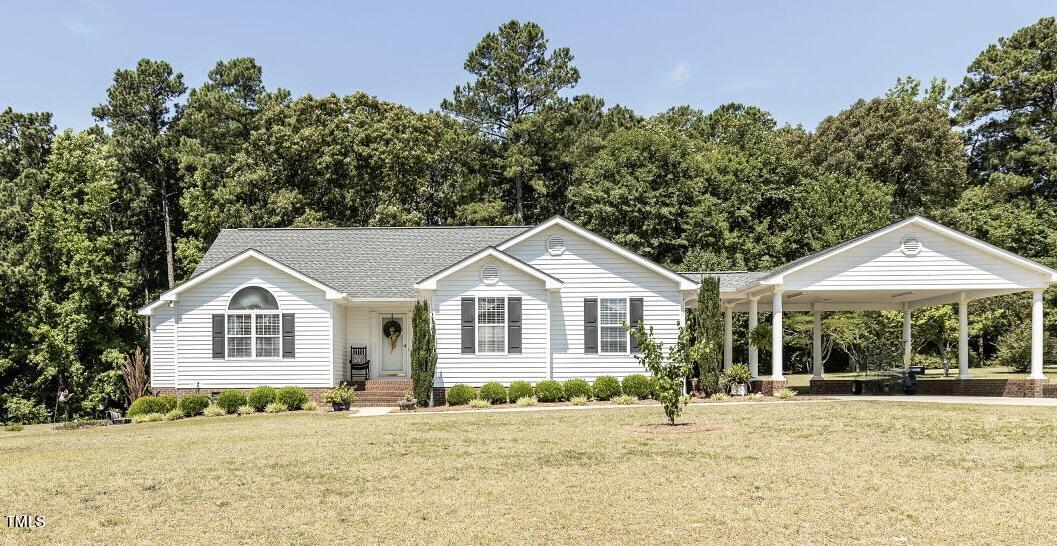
(729, 281)
(362, 262)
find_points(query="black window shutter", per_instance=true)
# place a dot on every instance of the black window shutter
(591, 326)
(218, 336)
(469, 309)
(288, 335)
(635, 320)
(513, 325)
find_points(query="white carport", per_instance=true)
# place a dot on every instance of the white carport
(908, 265)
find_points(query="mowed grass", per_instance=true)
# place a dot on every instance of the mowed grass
(799, 472)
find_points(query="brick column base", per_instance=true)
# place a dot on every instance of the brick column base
(767, 387)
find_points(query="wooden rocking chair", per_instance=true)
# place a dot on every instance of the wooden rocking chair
(358, 362)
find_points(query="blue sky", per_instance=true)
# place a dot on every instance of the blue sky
(799, 60)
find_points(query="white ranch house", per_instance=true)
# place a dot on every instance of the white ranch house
(290, 306)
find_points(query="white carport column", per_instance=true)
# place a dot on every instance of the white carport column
(906, 336)
(1036, 335)
(776, 337)
(816, 343)
(754, 352)
(728, 336)
(963, 336)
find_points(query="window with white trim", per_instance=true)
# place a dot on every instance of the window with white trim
(491, 325)
(612, 313)
(253, 324)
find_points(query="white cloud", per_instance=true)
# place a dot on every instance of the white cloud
(78, 27)
(679, 74)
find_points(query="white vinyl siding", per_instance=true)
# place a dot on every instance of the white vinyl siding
(590, 271)
(479, 368)
(942, 262)
(196, 366)
(162, 347)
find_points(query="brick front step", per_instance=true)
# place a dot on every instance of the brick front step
(382, 385)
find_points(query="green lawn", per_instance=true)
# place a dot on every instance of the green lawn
(993, 372)
(801, 472)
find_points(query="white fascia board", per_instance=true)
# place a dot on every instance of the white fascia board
(549, 281)
(172, 295)
(684, 283)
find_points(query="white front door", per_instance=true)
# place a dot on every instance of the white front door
(392, 345)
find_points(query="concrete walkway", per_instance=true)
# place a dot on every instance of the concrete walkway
(976, 400)
(371, 412)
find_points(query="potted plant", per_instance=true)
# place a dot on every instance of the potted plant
(737, 379)
(409, 402)
(340, 397)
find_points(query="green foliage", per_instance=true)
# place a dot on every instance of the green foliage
(1014, 350)
(423, 353)
(668, 372)
(737, 374)
(260, 397)
(276, 407)
(573, 388)
(174, 415)
(549, 390)
(215, 410)
(706, 336)
(493, 392)
(520, 389)
(152, 404)
(526, 401)
(246, 410)
(231, 399)
(785, 394)
(342, 394)
(13, 427)
(579, 400)
(636, 385)
(460, 395)
(624, 400)
(150, 417)
(605, 387)
(309, 406)
(719, 397)
(194, 404)
(291, 397)
(480, 403)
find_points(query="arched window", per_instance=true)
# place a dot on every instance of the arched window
(253, 324)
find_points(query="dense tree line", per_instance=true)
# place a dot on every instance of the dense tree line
(96, 223)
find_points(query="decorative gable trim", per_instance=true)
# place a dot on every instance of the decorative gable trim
(430, 283)
(173, 295)
(683, 282)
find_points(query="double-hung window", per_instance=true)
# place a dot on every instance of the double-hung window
(491, 325)
(613, 313)
(252, 326)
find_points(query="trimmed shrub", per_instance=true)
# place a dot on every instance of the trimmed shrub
(214, 410)
(785, 394)
(260, 397)
(309, 406)
(460, 395)
(291, 397)
(275, 407)
(174, 415)
(480, 403)
(246, 409)
(194, 404)
(606, 387)
(624, 400)
(636, 385)
(493, 392)
(549, 390)
(579, 400)
(152, 404)
(519, 389)
(575, 388)
(231, 399)
(525, 401)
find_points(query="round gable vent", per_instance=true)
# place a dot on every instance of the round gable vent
(490, 274)
(910, 246)
(555, 245)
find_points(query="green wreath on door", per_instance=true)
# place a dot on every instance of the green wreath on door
(392, 330)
